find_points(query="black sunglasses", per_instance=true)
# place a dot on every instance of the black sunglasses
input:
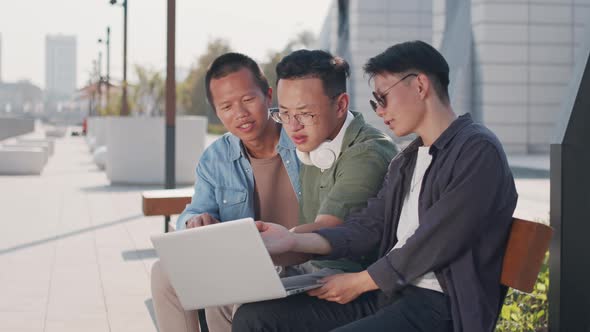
(380, 99)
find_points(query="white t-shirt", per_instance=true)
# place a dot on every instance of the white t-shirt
(408, 220)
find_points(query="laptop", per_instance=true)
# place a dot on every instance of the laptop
(221, 264)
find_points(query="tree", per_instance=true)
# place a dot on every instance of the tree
(304, 39)
(192, 95)
(148, 95)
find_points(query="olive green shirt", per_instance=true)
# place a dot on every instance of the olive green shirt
(356, 176)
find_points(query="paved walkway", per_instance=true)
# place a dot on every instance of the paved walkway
(75, 253)
(532, 183)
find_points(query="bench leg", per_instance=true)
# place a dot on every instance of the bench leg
(166, 221)
(202, 320)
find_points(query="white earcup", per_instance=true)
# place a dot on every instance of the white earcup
(304, 157)
(324, 156)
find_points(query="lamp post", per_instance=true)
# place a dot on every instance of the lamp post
(125, 105)
(170, 156)
(107, 42)
(99, 83)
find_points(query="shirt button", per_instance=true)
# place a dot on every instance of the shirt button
(224, 201)
(299, 193)
(288, 161)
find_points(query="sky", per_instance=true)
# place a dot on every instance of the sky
(252, 27)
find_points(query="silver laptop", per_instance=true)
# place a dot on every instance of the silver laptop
(225, 263)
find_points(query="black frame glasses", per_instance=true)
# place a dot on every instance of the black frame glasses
(380, 99)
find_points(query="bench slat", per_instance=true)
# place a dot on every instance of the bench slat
(165, 202)
(527, 244)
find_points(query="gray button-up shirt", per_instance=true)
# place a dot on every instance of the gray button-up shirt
(465, 213)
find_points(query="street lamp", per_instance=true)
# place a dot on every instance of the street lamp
(170, 155)
(99, 84)
(107, 42)
(125, 105)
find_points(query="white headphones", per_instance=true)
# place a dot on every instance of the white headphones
(324, 156)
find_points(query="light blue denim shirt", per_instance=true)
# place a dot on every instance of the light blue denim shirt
(224, 186)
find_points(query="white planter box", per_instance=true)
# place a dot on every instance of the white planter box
(97, 132)
(135, 149)
(11, 127)
(27, 141)
(22, 160)
(16, 146)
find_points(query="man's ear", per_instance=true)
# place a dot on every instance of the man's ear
(423, 85)
(342, 103)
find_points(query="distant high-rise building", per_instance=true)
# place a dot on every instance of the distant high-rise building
(60, 65)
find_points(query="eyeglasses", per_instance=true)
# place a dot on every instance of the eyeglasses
(305, 119)
(380, 99)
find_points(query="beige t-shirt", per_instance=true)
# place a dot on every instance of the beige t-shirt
(274, 197)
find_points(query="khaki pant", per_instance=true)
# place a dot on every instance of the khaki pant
(171, 317)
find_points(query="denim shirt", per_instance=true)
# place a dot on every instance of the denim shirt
(224, 185)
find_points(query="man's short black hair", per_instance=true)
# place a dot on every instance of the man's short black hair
(331, 70)
(229, 63)
(413, 56)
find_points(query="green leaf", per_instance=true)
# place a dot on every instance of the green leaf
(505, 314)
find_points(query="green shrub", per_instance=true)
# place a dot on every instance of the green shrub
(524, 312)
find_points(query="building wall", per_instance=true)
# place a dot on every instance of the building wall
(60, 65)
(0, 57)
(524, 56)
(375, 26)
(19, 98)
(452, 36)
(519, 57)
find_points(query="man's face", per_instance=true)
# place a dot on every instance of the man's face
(240, 105)
(404, 110)
(306, 96)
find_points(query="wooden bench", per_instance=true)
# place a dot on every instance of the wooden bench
(527, 244)
(525, 250)
(166, 202)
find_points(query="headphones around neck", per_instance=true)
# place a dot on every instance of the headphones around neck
(324, 156)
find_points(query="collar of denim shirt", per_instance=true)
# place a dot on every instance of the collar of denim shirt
(236, 151)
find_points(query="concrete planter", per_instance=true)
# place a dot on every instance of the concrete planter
(22, 160)
(135, 149)
(29, 141)
(97, 132)
(11, 127)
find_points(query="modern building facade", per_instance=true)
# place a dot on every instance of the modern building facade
(0, 57)
(20, 98)
(511, 60)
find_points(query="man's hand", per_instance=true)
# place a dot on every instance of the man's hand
(277, 239)
(201, 220)
(345, 287)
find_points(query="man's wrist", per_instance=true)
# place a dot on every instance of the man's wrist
(311, 243)
(366, 281)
